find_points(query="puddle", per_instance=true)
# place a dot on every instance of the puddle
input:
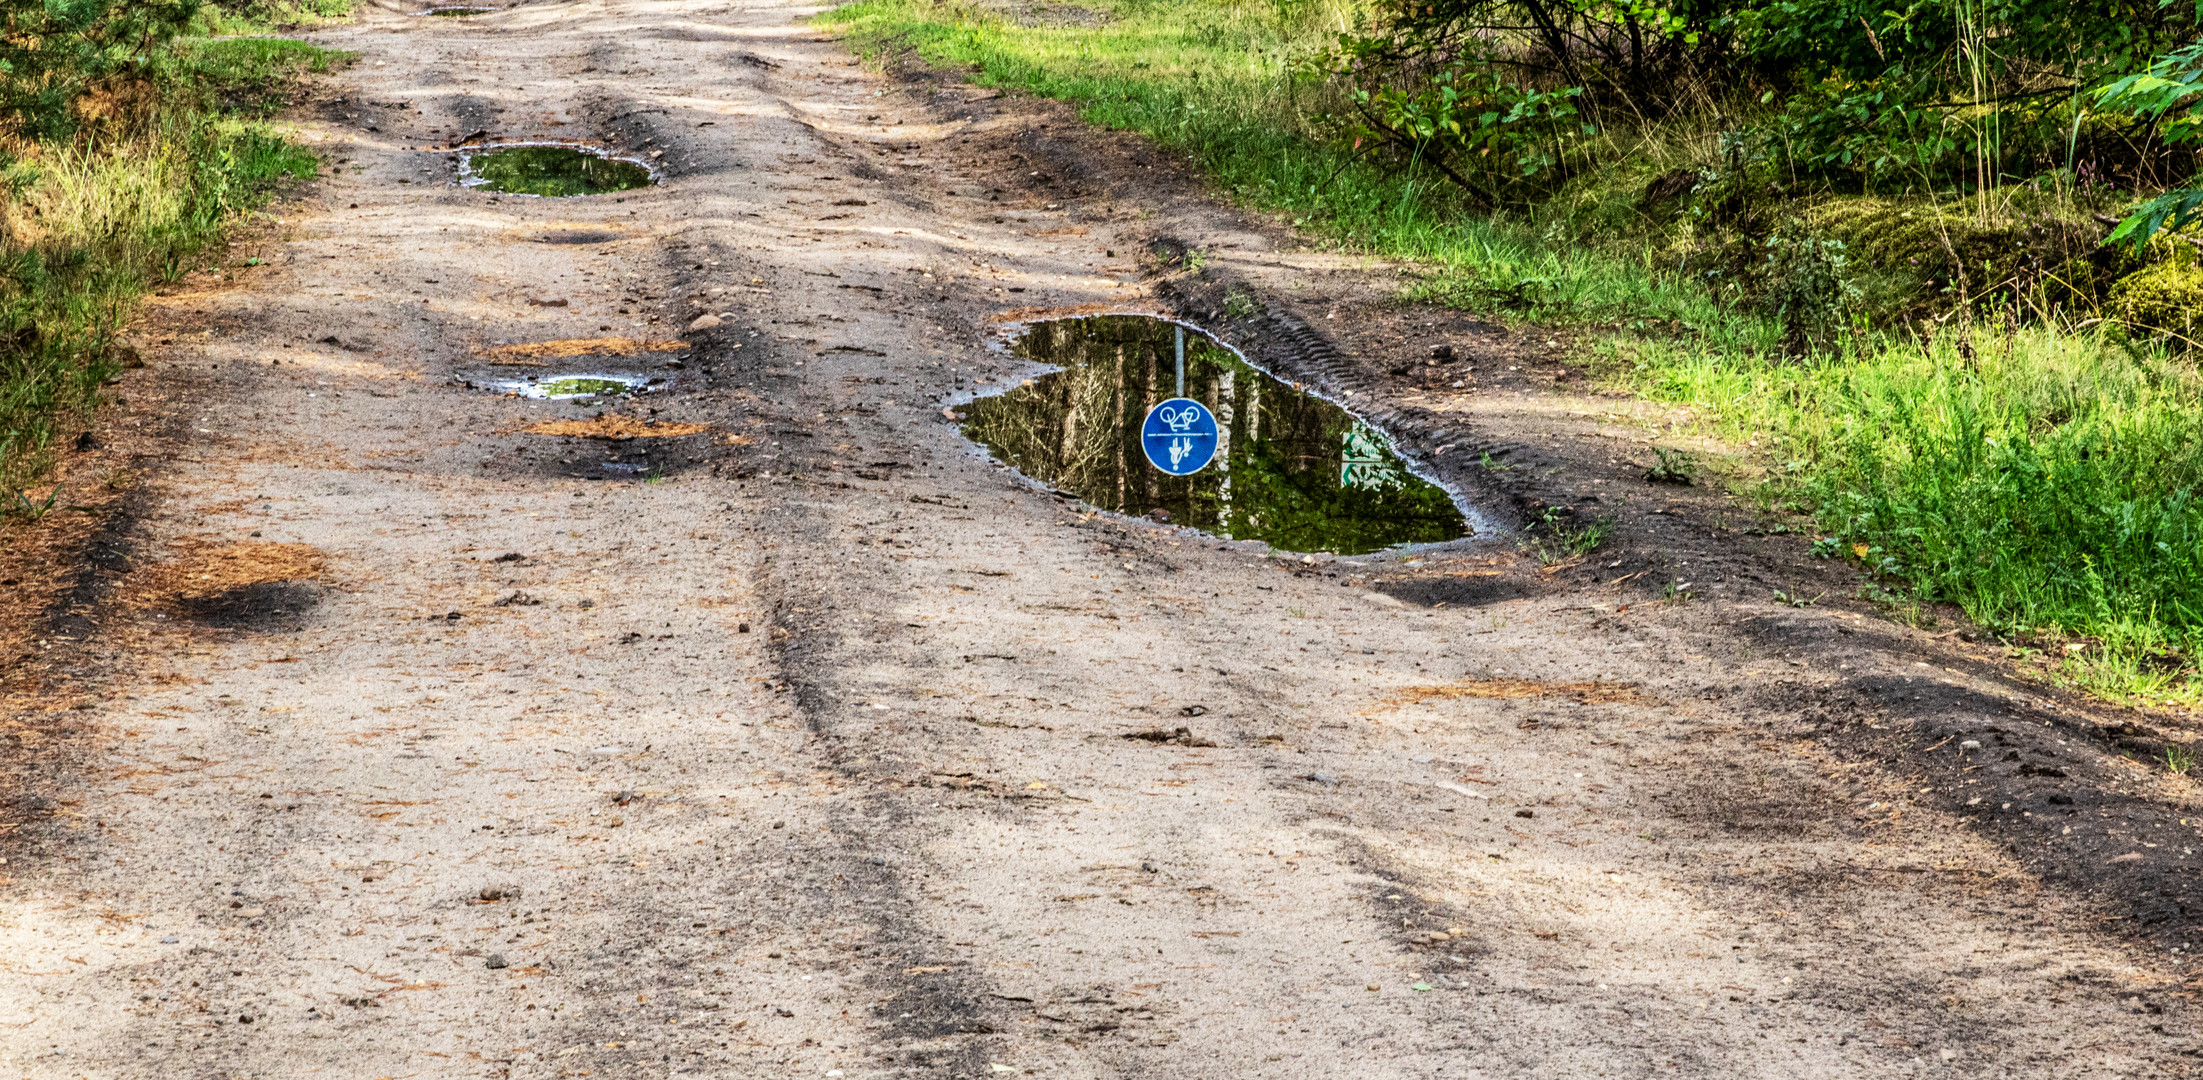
(551, 171)
(1292, 470)
(565, 387)
(457, 11)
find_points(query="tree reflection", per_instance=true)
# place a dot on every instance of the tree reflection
(1291, 469)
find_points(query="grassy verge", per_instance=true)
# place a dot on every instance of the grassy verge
(2042, 480)
(1214, 80)
(160, 170)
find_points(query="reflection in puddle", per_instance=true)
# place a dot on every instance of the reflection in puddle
(1293, 470)
(562, 387)
(554, 171)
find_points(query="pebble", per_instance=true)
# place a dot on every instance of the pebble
(496, 960)
(704, 322)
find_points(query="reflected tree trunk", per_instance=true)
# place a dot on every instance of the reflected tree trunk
(1223, 401)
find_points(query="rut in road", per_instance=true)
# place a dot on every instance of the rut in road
(445, 746)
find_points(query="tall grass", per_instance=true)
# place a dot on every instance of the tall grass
(2044, 481)
(87, 224)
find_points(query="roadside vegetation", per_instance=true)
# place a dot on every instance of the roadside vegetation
(1876, 247)
(133, 135)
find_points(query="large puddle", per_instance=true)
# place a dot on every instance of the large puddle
(1291, 469)
(550, 171)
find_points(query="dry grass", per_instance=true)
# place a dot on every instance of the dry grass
(1585, 693)
(529, 353)
(615, 428)
(204, 569)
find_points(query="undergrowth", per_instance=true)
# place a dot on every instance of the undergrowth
(2042, 479)
(1216, 82)
(160, 166)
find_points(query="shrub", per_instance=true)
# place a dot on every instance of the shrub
(55, 52)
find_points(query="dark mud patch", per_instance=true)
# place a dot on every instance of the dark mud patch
(577, 236)
(261, 607)
(1291, 469)
(1459, 588)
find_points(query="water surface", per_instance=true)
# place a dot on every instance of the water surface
(1292, 470)
(551, 171)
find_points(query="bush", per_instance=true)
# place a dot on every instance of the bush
(55, 52)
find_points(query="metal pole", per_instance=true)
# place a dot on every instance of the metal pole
(1181, 361)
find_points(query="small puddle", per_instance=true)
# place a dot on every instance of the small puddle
(457, 11)
(566, 387)
(550, 171)
(1291, 469)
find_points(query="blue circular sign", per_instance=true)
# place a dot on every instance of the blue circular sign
(1179, 436)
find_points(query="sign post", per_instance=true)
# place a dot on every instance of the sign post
(1181, 361)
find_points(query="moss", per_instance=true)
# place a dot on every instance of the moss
(1933, 256)
(2161, 298)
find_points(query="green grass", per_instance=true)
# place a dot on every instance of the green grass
(2043, 481)
(1215, 81)
(146, 190)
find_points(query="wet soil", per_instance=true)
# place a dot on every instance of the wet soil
(765, 725)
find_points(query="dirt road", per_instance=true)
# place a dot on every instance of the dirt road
(423, 744)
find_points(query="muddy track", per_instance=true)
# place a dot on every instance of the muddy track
(780, 730)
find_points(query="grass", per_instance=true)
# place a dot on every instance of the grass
(1216, 81)
(153, 183)
(2042, 480)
